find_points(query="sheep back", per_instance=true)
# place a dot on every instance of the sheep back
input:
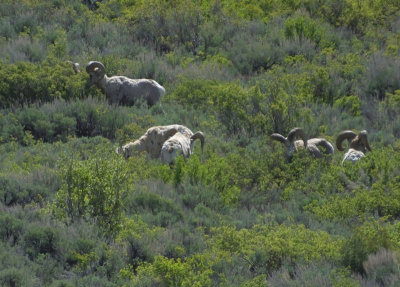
(125, 91)
(174, 146)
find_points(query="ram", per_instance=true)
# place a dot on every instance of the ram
(179, 144)
(153, 140)
(123, 90)
(312, 145)
(358, 145)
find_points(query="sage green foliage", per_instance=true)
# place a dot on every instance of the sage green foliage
(73, 212)
(95, 188)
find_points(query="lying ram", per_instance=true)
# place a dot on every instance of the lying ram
(179, 144)
(312, 145)
(153, 140)
(358, 145)
(122, 90)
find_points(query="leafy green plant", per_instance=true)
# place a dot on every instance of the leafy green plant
(366, 239)
(11, 277)
(41, 240)
(94, 188)
(11, 228)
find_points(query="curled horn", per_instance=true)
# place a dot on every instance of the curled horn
(349, 135)
(198, 135)
(326, 145)
(278, 137)
(364, 139)
(297, 132)
(92, 65)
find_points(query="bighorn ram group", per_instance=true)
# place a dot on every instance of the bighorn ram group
(167, 141)
(123, 90)
(358, 145)
(311, 145)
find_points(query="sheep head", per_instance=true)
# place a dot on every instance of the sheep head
(357, 142)
(290, 141)
(363, 141)
(97, 72)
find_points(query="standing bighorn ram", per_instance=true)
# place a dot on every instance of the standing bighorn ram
(358, 145)
(123, 90)
(311, 145)
(156, 138)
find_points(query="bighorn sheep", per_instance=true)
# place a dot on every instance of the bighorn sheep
(358, 145)
(153, 140)
(311, 145)
(179, 144)
(123, 90)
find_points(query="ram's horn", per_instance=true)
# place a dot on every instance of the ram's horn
(198, 135)
(92, 65)
(278, 137)
(349, 135)
(297, 132)
(364, 139)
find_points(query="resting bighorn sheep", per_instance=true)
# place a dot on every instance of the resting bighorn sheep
(179, 144)
(311, 145)
(123, 90)
(153, 140)
(358, 145)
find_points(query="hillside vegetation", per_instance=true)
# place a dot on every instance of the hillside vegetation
(73, 212)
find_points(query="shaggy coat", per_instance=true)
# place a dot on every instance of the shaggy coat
(179, 144)
(122, 90)
(153, 140)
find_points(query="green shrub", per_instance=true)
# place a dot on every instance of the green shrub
(96, 188)
(41, 240)
(314, 274)
(382, 76)
(154, 208)
(19, 188)
(11, 277)
(382, 268)
(10, 228)
(25, 83)
(82, 253)
(366, 239)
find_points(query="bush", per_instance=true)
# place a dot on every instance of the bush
(366, 239)
(11, 277)
(10, 228)
(382, 76)
(82, 254)
(315, 274)
(382, 268)
(18, 188)
(96, 188)
(25, 83)
(41, 240)
(154, 208)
